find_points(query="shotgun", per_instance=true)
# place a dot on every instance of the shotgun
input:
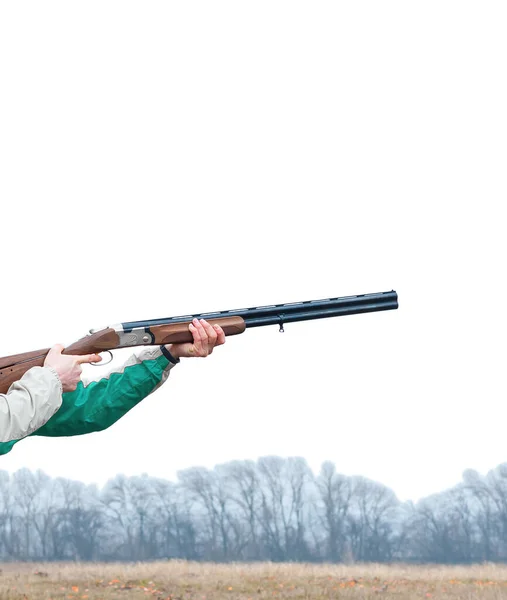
(174, 330)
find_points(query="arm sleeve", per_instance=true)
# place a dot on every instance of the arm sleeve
(96, 405)
(29, 403)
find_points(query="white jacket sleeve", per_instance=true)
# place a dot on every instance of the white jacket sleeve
(29, 403)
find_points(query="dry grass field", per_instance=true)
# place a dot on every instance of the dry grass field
(180, 580)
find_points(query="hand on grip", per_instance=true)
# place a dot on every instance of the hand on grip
(68, 366)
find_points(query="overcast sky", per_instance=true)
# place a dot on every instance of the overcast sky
(160, 158)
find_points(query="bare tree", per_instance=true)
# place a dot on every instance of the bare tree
(82, 515)
(370, 520)
(246, 495)
(28, 488)
(9, 532)
(173, 514)
(274, 509)
(128, 502)
(335, 495)
(283, 488)
(210, 489)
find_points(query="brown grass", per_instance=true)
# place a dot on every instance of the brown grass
(181, 580)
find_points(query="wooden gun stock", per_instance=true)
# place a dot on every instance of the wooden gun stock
(12, 368)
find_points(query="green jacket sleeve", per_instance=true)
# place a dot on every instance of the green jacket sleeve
(97, 405)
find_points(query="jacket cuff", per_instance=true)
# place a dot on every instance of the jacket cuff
(169, 356)
(53, 371)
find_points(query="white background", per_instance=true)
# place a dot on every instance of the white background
(160, 158)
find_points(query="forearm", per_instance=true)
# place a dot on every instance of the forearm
(97, 405)
(29, 403)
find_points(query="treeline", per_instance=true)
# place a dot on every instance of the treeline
(274, 509)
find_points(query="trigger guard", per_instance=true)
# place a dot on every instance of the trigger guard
(101, 363)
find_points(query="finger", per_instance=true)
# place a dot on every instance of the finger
(195, 347)
(210, 332)
(194, 328)
(209, 337)
(204, 342)
(88, 358)
(200, 334)
(200, 339)
(55, 350)
(220, 335)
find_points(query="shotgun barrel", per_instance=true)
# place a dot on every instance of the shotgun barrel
(278, 314)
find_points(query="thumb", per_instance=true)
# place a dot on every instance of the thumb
(88, 358)
(55, 351)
